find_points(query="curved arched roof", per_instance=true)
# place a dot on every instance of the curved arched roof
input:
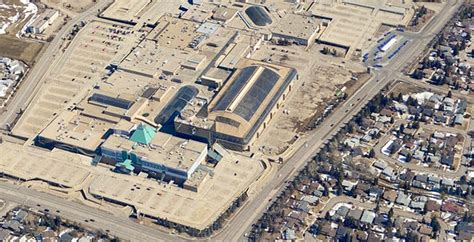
(240, 108)
(179, 101)
(258, 15)
(254, 97)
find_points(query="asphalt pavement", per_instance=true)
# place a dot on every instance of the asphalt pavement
(242, 222)
(256, 206)
(35, 78)
(122, 227)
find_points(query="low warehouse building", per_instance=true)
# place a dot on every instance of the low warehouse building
(45, 19)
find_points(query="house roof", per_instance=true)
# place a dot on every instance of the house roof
(360, 235)
(377, 191)
(328, 230)
(390, 195)
(12, 225)
(380, 165)
(4, 234)
(310, 199)
(425, 229)
(343, 211)
(367, 217)
(465, 226)
(373, 237)
(432, 205)
(21, 215)
(303, 206)
(421, 178)
(355, 213)
(342, 231)
(451, 207)
(66, 237)
(417, 205)
(403, 199)
(289, 234)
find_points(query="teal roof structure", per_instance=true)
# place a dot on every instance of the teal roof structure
(127, 164)
(214, 155)
(144, 134)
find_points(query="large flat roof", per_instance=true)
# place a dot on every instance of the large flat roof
(63, 168)
(151, 59)
(165, 149)
(354, 22)
(224, 14)
(128, 11)
(195, 209)
(84, 126)
(74, 130)
(234, 53)
(174, 33)
(297, 25)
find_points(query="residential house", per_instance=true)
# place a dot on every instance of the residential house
(447, 182)
(451, 207)
(434, 180)
(359, 235)
(425, 230)
(403, 199)
(374, 237)
(375, 192)
(12, 225)
(389, 173)
(328, 230)
(303, 206)
(432, 206)
(390, 196)
(289, 234)
(367, 217)
(418, 206)
(355, 214)
(5, 235)
(343, 233)
(379, 165)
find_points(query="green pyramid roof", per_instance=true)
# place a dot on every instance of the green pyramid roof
(143, 134)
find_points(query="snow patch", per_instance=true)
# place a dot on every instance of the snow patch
(23, 12)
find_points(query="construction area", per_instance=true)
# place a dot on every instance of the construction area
(322, 77)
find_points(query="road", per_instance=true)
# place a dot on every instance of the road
(367, 205)
(399, 212)
(119, 226)
(435, 88)
(243, 221)
(33, 81)
(257, 205)
(460, 171)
